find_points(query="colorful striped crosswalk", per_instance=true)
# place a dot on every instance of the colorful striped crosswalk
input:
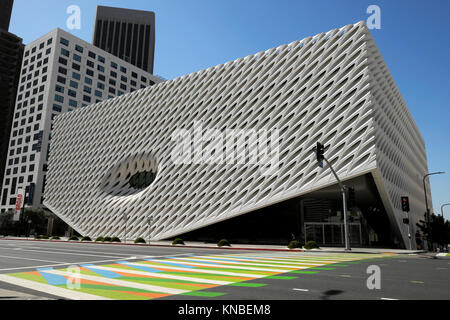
(190, 275)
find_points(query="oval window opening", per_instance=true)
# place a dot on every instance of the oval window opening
(141, 180)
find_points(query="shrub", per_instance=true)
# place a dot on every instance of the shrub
(107, 239)
(223, 242)
(75, 238)
(55, 238)
(100, 239)
(139, 240)
(177, 241)
(115, 239)
(86, 238)
(294, 244)
(42, 237)
(311, 245)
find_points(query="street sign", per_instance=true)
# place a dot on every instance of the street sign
(19, 203)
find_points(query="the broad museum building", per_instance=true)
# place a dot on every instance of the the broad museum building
(226, 152)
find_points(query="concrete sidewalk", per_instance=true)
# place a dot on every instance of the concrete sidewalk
(194, 244)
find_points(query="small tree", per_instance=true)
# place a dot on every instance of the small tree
(440, 230)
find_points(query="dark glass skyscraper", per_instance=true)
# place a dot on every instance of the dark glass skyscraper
(5, 13)
(11, 52)
(127, 34)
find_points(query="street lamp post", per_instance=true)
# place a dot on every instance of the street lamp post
(426, 201)
(442, 208)
(150, 220)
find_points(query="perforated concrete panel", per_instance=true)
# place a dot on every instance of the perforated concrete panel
(333, 87)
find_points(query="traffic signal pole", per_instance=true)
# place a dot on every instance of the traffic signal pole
(320, 150)
(344, 202)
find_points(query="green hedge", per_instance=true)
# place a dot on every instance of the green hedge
(177, 241)
(86, 238)
(139, 240)
(115, 239)
(294, 244)
(55, 238)
(100, 239)
(223, 242)
(107, 239)
(75, 238)
(311, 245)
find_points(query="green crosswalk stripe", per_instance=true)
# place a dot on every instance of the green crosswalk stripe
(281, 277)
(246, 284)
(208, 294)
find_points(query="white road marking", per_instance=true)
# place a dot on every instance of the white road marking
(262, 262)
(57, 291)
(298, 258)
(304, 290)
(71, 253)
(225, 265)
(235, 274)
(388, 299)
(59, 264)
(122, 283)
(161, 275)
(20, 258)
(56, 250)
(171, 255)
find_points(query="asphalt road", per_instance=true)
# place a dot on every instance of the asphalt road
(402, 276)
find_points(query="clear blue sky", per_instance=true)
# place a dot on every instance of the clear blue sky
(196, 34)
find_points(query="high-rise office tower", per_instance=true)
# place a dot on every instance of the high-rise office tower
(11, 52)
(127, 34)
(60, 73)
(5, 13)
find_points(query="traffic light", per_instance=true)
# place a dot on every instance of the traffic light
(405, 204)
(320, 149)
(351, 198)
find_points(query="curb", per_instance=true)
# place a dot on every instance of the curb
(159, 245)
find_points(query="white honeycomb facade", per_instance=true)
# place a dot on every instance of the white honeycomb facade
(333, 87)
